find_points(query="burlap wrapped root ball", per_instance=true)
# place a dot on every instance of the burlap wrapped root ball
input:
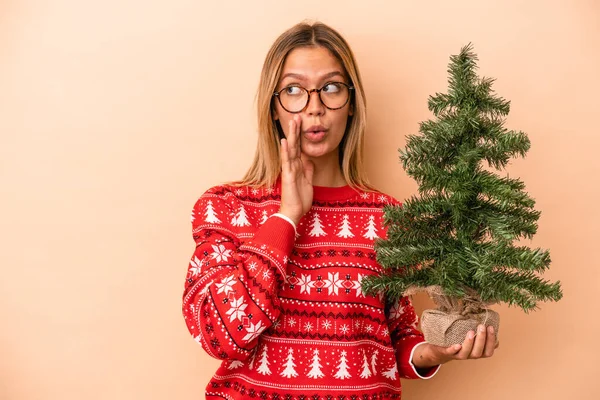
(447, 328)
(455, 317)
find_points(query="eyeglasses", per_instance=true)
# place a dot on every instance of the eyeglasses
(295, 98)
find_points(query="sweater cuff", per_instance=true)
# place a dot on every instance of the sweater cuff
(274, 240)
(406, 349)
(288, 219)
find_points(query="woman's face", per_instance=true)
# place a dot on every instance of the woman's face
(312, 68)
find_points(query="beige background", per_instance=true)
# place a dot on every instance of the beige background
(116, 115)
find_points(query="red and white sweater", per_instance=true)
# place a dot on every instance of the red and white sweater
(284, 310)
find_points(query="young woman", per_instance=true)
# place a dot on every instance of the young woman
(274, 286)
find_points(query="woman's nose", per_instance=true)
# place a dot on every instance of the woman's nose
(315, 106)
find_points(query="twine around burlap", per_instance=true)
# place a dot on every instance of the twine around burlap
(455, 317)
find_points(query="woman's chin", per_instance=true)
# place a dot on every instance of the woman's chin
(314, 155)
(315, 152)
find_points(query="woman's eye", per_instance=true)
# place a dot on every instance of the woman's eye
(293, 90)
(331, 88)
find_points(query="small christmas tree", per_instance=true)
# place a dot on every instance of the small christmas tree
(371, 232)
(374, 362)
(210, 214)
(391, 372)
(455, 240)
(289, 370)
(342, 372)
(317, 227)
(263, 367)
(241, 218)
(316, 366)
(344, 228)
(366, 372)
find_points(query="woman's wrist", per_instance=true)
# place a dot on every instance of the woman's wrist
(293, 219)
(288, 219)
(423, 357)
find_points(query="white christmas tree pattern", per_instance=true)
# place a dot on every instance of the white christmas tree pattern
(289, 370)
(263, 363)
(264, 217)
(342, 372)
(366, 372)
(241, 218)
(235, 364)
(371, 232)
(374, 361)
(210, 214)
(316, 366)
(392, 372)
(317, 227)
(344, 228)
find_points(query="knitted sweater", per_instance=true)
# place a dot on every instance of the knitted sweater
(284, 310)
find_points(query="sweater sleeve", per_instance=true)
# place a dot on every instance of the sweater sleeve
(406, 337)
(231, 286)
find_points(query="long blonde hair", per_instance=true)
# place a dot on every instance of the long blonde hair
(267, 160)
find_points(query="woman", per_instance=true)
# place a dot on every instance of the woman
(274, 285)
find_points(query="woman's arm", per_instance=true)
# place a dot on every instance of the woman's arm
(231, 286)
(408, 340)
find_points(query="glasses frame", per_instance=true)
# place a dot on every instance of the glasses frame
(309, 92)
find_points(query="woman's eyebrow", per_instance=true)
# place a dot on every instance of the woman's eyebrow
(302, 77)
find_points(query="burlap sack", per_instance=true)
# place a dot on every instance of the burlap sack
(445, 329)
(454, 318)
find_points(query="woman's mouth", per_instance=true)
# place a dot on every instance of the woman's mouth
(315, 136)
(315, 133)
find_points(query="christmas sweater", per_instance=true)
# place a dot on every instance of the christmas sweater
(282, 305)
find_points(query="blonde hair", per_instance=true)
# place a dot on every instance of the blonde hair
(266, 166)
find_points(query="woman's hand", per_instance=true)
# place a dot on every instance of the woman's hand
(477, 346)
(296, 175)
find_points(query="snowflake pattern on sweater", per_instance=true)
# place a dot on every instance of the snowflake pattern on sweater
(284, 311)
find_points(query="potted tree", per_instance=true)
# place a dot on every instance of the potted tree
(455, 240)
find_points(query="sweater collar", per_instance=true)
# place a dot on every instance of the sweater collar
(326, 193)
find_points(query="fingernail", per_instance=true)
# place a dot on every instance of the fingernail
(481, 328)
(471, 334)
(491, 329)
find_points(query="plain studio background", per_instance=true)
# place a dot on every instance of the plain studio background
(116, 116)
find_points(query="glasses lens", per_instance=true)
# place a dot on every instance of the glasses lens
(334, 95)
(293, 98)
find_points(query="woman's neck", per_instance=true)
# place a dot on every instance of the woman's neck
(328, 173)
